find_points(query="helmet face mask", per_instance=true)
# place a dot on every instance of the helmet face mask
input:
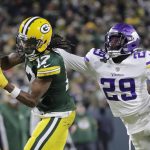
(122, 39)
(33, 37)
(28, 47)
(114, 44)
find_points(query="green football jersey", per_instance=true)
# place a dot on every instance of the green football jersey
(51, 65)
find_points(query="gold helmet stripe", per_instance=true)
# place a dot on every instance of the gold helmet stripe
(27, 24)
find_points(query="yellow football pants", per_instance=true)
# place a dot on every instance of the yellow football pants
(50, 133)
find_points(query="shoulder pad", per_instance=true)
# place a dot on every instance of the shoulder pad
(96, 54)
(139, 54)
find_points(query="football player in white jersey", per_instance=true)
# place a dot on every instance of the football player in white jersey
(122, 70)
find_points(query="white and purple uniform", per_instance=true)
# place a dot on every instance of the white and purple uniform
(124, 84)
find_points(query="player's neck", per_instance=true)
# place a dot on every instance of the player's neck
(119, 59)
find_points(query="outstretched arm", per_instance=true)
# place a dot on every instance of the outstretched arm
(77, 63)
(38, 89)
(74, 62)
(11, 60)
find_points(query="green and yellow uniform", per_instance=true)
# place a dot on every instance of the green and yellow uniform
(51, 132)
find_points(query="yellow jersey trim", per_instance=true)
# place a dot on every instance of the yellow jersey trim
(48, 72)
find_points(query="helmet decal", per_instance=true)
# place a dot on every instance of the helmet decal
(45, 28)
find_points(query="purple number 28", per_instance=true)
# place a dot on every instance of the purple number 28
(126, 87)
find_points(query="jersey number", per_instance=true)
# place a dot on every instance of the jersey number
(126, 88)
(43, 60)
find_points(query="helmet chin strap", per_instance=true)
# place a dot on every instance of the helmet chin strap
(116, 53)
(118, 57)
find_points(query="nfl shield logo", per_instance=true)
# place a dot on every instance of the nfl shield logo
(117, 69)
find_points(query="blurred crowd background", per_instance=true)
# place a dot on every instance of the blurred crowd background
(85, 23)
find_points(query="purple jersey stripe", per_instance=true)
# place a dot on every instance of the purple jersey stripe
(148, 63)
(86, 59)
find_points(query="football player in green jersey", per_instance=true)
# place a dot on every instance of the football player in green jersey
(46, 71)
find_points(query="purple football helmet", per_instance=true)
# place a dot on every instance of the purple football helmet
(121, 39)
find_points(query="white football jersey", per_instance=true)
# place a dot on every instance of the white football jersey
(123, 84)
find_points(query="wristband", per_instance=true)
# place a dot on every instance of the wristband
(15, 92)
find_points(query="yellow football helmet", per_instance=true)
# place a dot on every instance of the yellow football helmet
(34, 36)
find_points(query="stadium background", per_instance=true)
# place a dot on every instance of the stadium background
(84, 23)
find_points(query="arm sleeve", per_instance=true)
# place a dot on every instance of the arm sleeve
(74, 62)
